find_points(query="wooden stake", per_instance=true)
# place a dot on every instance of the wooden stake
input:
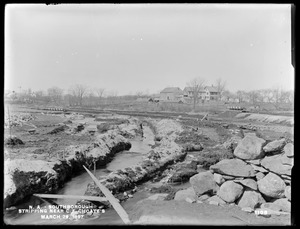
(114, 202)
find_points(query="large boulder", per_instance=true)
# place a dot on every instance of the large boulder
(250, 198)
(280, 164)
(249, 183)
(230, 191)
(250, 148)
(233, 167)
(287, 192)
(274, 146)
(289, 150)
(284, 204)
(203, 183)
(272, 186)
(183, 194)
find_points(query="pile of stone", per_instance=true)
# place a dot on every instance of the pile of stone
(259, 177)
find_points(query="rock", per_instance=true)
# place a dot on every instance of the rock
(259, 176)
(204, 197)
(158, 196)
(230, 191)
(259, 168)
(251, 199)
(57, 130)
(13, 140)
(279, 164)
(274, 146)
(162, 189)
(250, 148)
(285, 177)
(272, 186)
(287, 192)
(203, 183)
(232, 143)
(216, 199)
(189, 200)
(226, 177)
(213, 202)
(186, 193)
(247, 209)
(284, 204)
(104, 127)
(182, 174)
(31, 131)
(249, 183)
(254, 162)
(271, 206)
(233, 167)
(289, 150)
(219, 178)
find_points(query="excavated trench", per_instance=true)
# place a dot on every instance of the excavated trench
(78, 184)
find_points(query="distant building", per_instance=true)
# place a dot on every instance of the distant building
(211, 93)
(208, 93)
(189, 94)
(171, 94)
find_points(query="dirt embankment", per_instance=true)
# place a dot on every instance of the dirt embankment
(165, 153)
(39, 167)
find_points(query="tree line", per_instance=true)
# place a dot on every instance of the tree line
(81, 95)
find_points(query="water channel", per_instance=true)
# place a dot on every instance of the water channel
(77, 186)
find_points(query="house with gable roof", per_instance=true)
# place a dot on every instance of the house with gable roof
(171, 94)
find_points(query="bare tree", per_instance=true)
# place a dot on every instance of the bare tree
(196, 85)
(268, 95)
(227, 95)
(55, 94)
(99, 92)
(220, 86)
(79, 91)
(253, 96)
(240, 96)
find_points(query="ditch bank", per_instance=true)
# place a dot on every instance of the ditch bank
(166, 152)
(23, 177)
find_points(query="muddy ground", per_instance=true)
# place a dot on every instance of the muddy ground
(46, 134)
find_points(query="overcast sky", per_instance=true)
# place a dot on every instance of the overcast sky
(146, 47)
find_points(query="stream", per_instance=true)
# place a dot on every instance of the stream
(77, 186)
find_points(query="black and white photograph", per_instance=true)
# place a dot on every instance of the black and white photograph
(149, 114)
